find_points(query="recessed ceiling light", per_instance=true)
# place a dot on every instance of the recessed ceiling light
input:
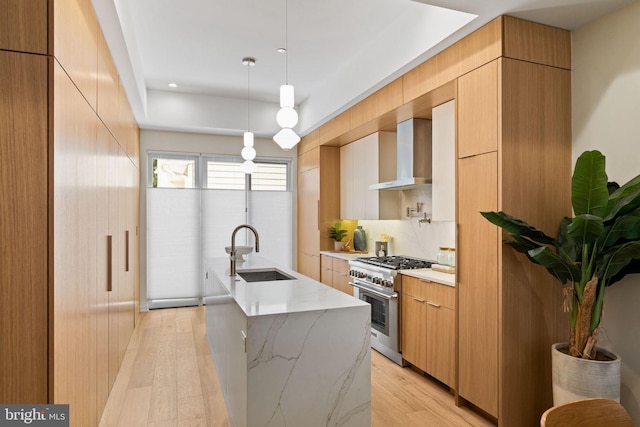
(282, 50)
(173, 85)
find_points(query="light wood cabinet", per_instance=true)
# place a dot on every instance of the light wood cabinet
(477, 282)
(341, 276)
(504, 138)
(335, 273)
(326, 270)
(75, 44)
(24, 182)
(443, 124)
(24, 26)
(478, 111)
(69, 184)
(318, 206)
(414, 329)
(428, 327)
(309, 223)
(367, 161)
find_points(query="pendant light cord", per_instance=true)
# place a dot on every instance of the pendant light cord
(286, 41)
(248, 97)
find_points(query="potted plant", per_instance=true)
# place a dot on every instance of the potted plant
(337, 234)
(594, 249)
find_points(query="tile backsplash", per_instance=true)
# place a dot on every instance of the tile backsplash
(408, 237)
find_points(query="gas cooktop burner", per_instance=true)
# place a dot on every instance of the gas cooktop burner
(397, 262)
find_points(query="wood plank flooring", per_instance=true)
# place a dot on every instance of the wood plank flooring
(167, 378)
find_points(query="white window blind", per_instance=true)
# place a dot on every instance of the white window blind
(186, 224)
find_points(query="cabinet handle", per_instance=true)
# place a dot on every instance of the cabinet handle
(433, 304)
(417, 299)
(318, 205)
(109, 263)
(425, 281)
(126, 250)
(244, 340)
(343, 274)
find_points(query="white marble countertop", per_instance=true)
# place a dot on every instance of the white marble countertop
(434, 276)
(280, 296)
(348, 256)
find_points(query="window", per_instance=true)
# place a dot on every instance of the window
(226, 174)
(172, 171)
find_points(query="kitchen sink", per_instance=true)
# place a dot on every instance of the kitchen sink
(264, 275)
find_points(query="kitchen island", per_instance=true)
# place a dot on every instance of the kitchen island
(287, 352)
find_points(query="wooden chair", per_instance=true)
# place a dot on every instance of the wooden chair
(587, 413)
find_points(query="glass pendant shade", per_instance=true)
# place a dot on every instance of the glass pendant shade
(248, 153)
(248, 167)
(286, 138)
(286, 96)
(248, 139)
(287, 117)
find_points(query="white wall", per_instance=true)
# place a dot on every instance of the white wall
(606, 117)
(154, 140)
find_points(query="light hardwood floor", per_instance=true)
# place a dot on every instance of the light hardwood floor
(167, 378)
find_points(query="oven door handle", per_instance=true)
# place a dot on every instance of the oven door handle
(380, 294)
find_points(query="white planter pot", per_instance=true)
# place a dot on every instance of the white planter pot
(338, 246)
(576, 379)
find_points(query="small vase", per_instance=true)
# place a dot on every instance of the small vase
(359, 239)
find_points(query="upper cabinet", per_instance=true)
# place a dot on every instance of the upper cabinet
(367, 161)
(75, 44)
(478, 111)
(443, 162)
(24, 26)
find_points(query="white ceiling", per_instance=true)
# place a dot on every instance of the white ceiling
(339, 51)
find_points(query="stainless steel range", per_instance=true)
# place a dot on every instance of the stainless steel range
(376, 281)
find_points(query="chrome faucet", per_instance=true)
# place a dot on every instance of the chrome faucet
(232, 254)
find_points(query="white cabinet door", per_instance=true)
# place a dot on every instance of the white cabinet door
(365, 158)
(443, 166)
(362, 164)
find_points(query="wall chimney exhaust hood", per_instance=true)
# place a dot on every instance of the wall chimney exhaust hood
(413, 156)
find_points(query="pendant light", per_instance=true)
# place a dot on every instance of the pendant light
(248, 152)
(287, 117)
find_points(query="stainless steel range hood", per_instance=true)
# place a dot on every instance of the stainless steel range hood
(413, 156)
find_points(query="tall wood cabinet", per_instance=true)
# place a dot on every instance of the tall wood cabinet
(514, 154)
(69, 186)
(318, 202)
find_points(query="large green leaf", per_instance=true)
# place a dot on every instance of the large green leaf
(624, 205)
(631, 186)
(585, 229)
(568, 246)
(619, 258)
(589, 194)
(517, 227)
(626, 228)
(521, 244)
(564, 271)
